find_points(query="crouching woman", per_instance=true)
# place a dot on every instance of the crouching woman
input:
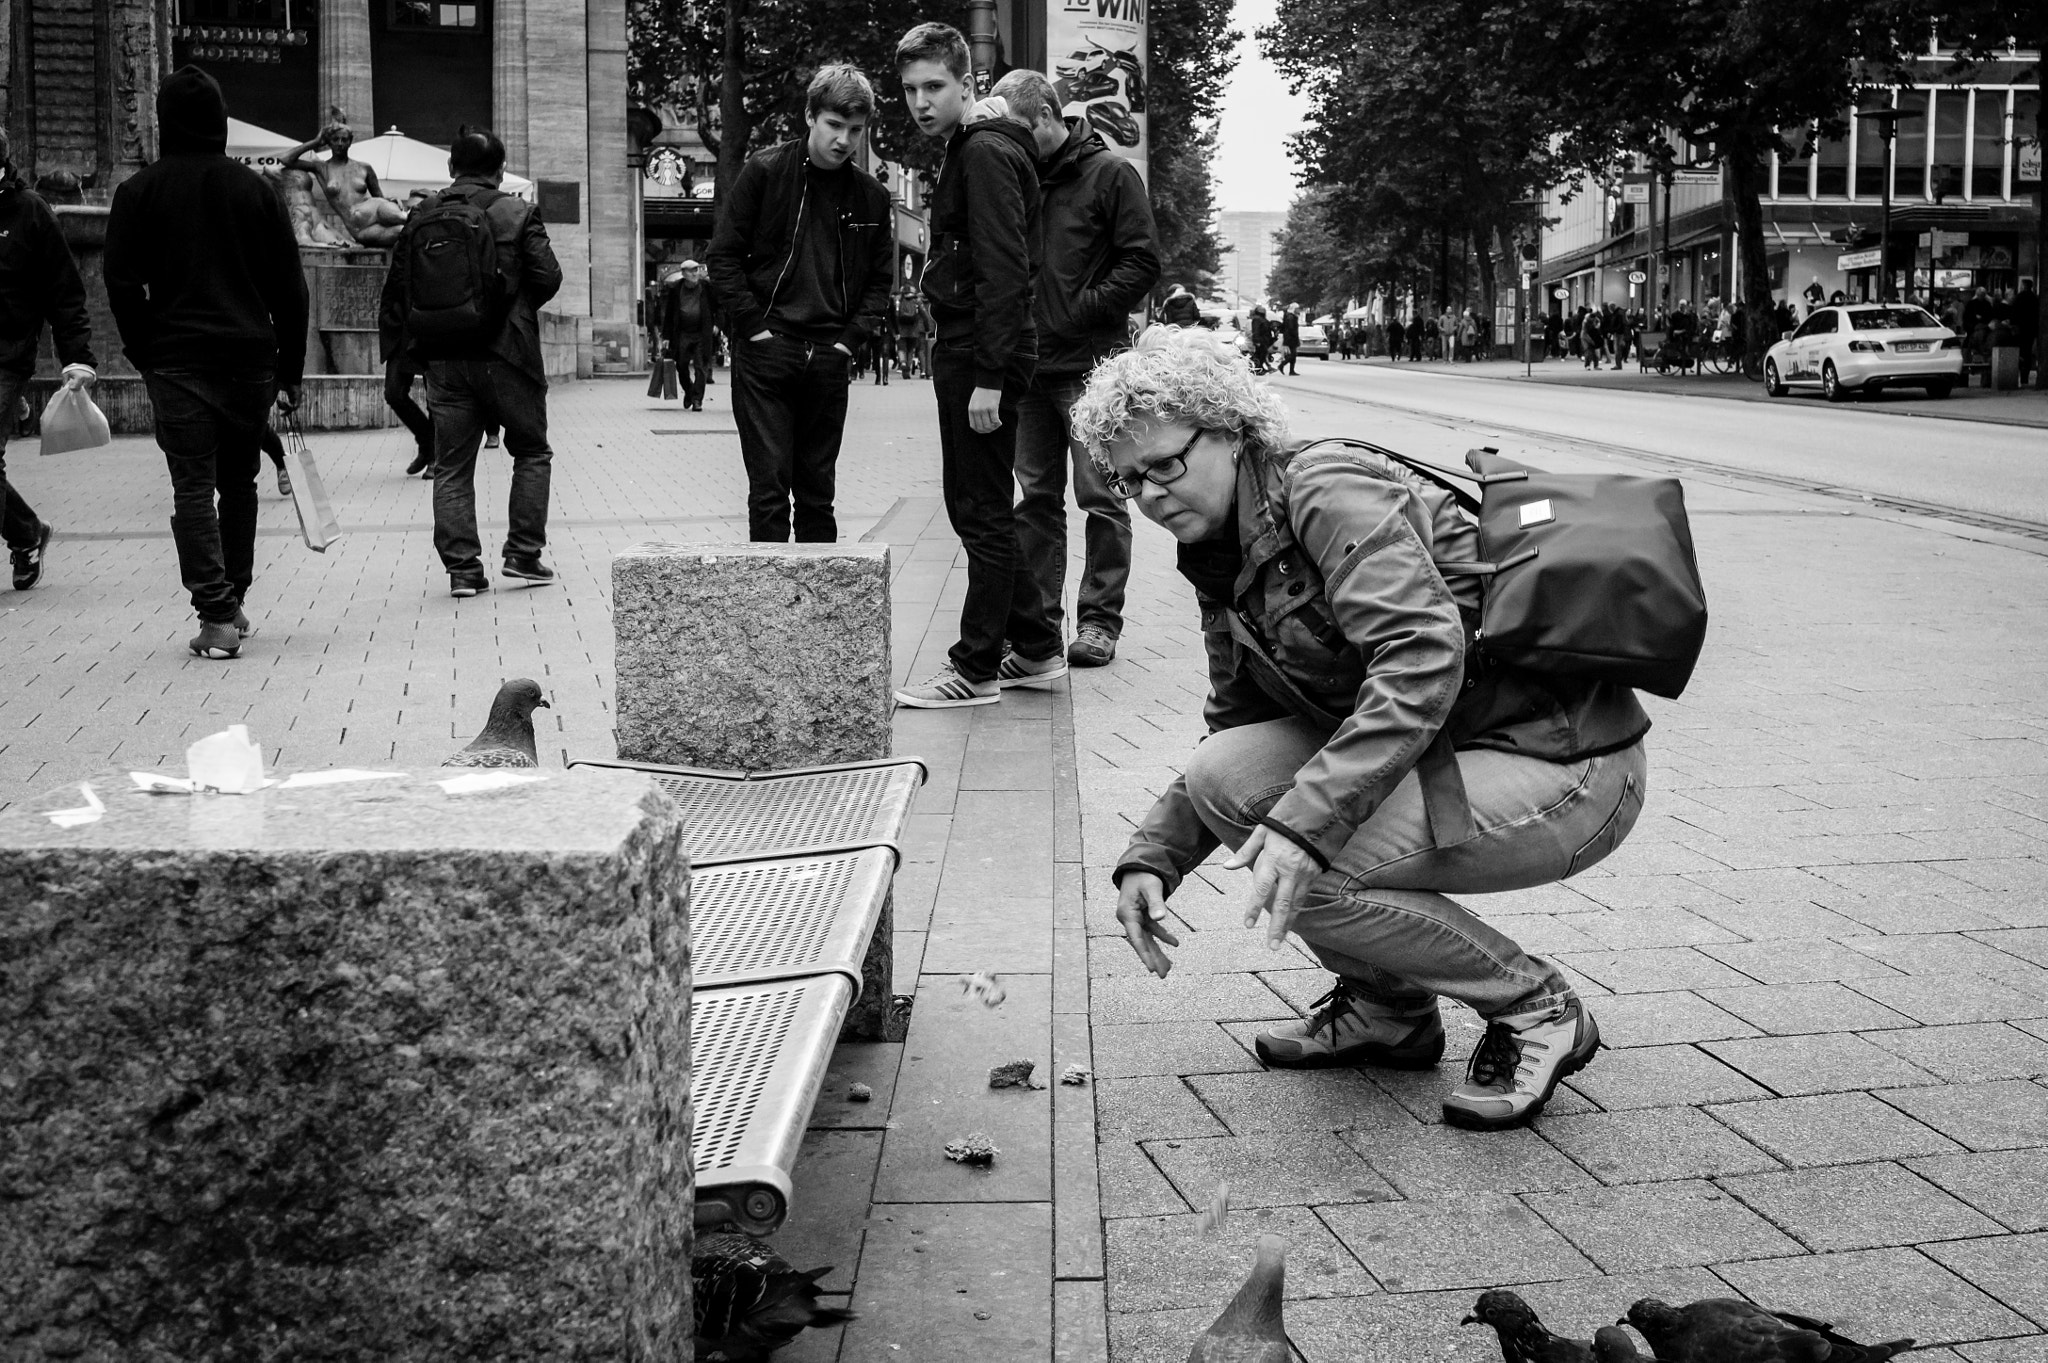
(1361, 759)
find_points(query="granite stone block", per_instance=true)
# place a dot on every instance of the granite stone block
(1159, 1262)
(2004, 1114)
(1835, 1063)
(1858, 1206)
(1660, 1225)
(1834, 1128)
(2011, 1186)
(1876, 1294)
(1275, 1169)
(1653, 1144)
(754, 656)
(355, 1070)
(1468, 1240)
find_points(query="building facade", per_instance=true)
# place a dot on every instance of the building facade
(1251, 255)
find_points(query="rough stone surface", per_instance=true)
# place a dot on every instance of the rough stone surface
(754, 656)
(352, 1071)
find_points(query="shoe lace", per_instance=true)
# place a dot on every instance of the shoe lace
(1503, 1055)
(1325, 1011)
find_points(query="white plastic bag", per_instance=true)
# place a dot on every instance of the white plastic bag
(73, 421)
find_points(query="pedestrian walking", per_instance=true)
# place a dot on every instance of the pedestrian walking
(801, 256)
(39, 283)
(203, 277)
(1290, 340)
(1097, 262)
(1331, 795)
(1262, 338)
(1447, 334)
(1396, 334)
(467, 281)
(1591, 333)
(687, 314)
(1179, 310)
(984, 219)
(1468, 336)
(1416, 326)
(2026, 327)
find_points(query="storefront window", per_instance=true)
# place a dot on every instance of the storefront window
(1951, 132)
(1909, 170)
(1869, 161)
(1987, 146)
(1832, 168)
(432, 14)
(1794, 180)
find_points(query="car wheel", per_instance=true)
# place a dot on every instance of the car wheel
(1941, 389)
(1773, 385)
(1831, 383)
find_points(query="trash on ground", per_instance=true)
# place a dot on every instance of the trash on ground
(984, 986)
(92, 811)
(859, 1093)
(1075, 1076)
(973, 1148)
(1217, 1213)
(1014, 1075)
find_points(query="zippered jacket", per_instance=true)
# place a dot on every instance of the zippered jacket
(38, 283)
(758, 233)
(1339, 594)
(1098, 260)
(526, 265)
(985, 240)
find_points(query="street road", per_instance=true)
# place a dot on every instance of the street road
(1997, 472)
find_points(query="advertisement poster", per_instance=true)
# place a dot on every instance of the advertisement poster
(1097, 52)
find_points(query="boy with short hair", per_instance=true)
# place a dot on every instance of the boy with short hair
(979, 280)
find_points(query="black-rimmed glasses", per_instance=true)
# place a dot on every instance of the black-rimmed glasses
(1162, 472)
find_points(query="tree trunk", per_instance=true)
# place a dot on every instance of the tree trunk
(735, 129)
(1743, 155)
(1482, 242)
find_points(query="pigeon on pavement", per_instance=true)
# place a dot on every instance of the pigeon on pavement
(507, 739)
(749, 1301)
(1250, 1329)
(1611, 1344)
(1522, 1337)
(1728, 1330)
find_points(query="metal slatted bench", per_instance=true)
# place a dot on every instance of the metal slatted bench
(791, 919)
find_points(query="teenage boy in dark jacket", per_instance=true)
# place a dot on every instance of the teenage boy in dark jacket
(1095, 265)
(978, 280)
(493, 376)
(203, 276)
(38, 282)
(801, 255)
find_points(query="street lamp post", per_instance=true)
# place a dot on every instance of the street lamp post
(981, 42)
(1887, 121)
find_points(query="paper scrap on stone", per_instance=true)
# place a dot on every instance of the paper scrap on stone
(230, 762)
(973, 1148)
(487, 780)
(156, 784)
(92, 811)
(1075, 1076)
(1217, 1213)
(1014, 1075)
(337, 776)
(859, 1093)
(984, 986)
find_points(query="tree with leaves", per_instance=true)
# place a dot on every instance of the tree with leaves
(1193, 50)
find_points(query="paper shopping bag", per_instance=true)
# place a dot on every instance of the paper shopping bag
(317, 522)
(73, 421)
(668, 379)
(654, 377)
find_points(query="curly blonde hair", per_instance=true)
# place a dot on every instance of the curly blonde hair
(1176, 374)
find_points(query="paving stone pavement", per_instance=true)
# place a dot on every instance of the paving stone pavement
(1821, 958)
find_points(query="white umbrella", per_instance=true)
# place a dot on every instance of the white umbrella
(254, 146)
(404, 164)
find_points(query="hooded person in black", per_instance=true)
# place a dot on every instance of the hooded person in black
(978, 280)
(203, 276)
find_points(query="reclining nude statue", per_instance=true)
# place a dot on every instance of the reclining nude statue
(361, 212)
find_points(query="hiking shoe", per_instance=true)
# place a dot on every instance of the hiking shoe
(422, 462)
(1342, 1029)
(468, 584)
(1019, 671)
(527, 568)
(28, 563)
(948, 690)
(1092, 647)
(1518, 1066)
(284, 482)
(216, 639)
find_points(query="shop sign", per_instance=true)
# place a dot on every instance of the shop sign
(1635, 194)
(1859, 260)
(1952, 279)
(1099, 69)
(1695, 177)
(1997, 258)
(1560, 293)
(1636, 276)
(2027, 165)
(1947, 241)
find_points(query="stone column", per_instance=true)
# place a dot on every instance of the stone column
(345, 65)
(372, 1069)
(135, 43)
(508, 83)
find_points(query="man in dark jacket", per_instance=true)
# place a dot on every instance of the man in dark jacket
(687, 314)
(203, 275)
(491, 374)
(979, 278)
(1096, 263)
(801, 256)
(38, 283)
(1290, 340)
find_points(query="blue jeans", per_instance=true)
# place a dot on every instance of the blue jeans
(1045, 448)
(789, 401)
(210, 424)
(466, 396)
(19, 527)
(1379, 917)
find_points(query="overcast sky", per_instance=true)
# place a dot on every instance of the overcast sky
(1253, 170)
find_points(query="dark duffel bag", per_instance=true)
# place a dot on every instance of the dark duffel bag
(1587, 574)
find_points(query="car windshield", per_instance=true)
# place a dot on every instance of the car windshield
(1890, 319)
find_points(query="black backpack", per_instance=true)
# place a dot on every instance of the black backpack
(455, 293)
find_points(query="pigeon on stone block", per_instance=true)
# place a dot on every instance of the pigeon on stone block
(1523, 1338)
(749, 1301)
(507, 737)
(1729, 1330)
(1250, 1329)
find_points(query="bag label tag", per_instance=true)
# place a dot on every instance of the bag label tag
(1536, 513)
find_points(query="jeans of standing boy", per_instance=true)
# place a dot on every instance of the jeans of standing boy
(210, 424)
(789, 401)
(1045, 450)
(19, 527)
(467, 396)
(399, 372)
(979, 482)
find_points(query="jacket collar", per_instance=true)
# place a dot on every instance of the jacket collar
(1082, 142)
(1261, 513)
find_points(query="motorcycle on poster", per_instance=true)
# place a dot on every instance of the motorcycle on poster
(1097, 52)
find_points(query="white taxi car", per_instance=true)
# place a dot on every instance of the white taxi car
(1863, 347)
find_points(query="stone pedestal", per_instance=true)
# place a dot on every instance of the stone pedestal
(366, 1070)
(754, 656)
(2005, 368)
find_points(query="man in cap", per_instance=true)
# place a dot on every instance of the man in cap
(687, 313)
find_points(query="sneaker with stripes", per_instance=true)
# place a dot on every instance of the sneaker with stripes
(1019, 671)
(948, 690)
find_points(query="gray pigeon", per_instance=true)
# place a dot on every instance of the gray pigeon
(1523, 1339)
(1611, 1344)
(1250, 1328)
(507, 739)
(1728, 1330)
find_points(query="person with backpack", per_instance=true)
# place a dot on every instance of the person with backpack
(467, 281)
(1362, 759)
(801, 258)
(203, 278)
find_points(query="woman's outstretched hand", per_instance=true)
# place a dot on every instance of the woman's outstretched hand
(1141, 908)
(1281, 870)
